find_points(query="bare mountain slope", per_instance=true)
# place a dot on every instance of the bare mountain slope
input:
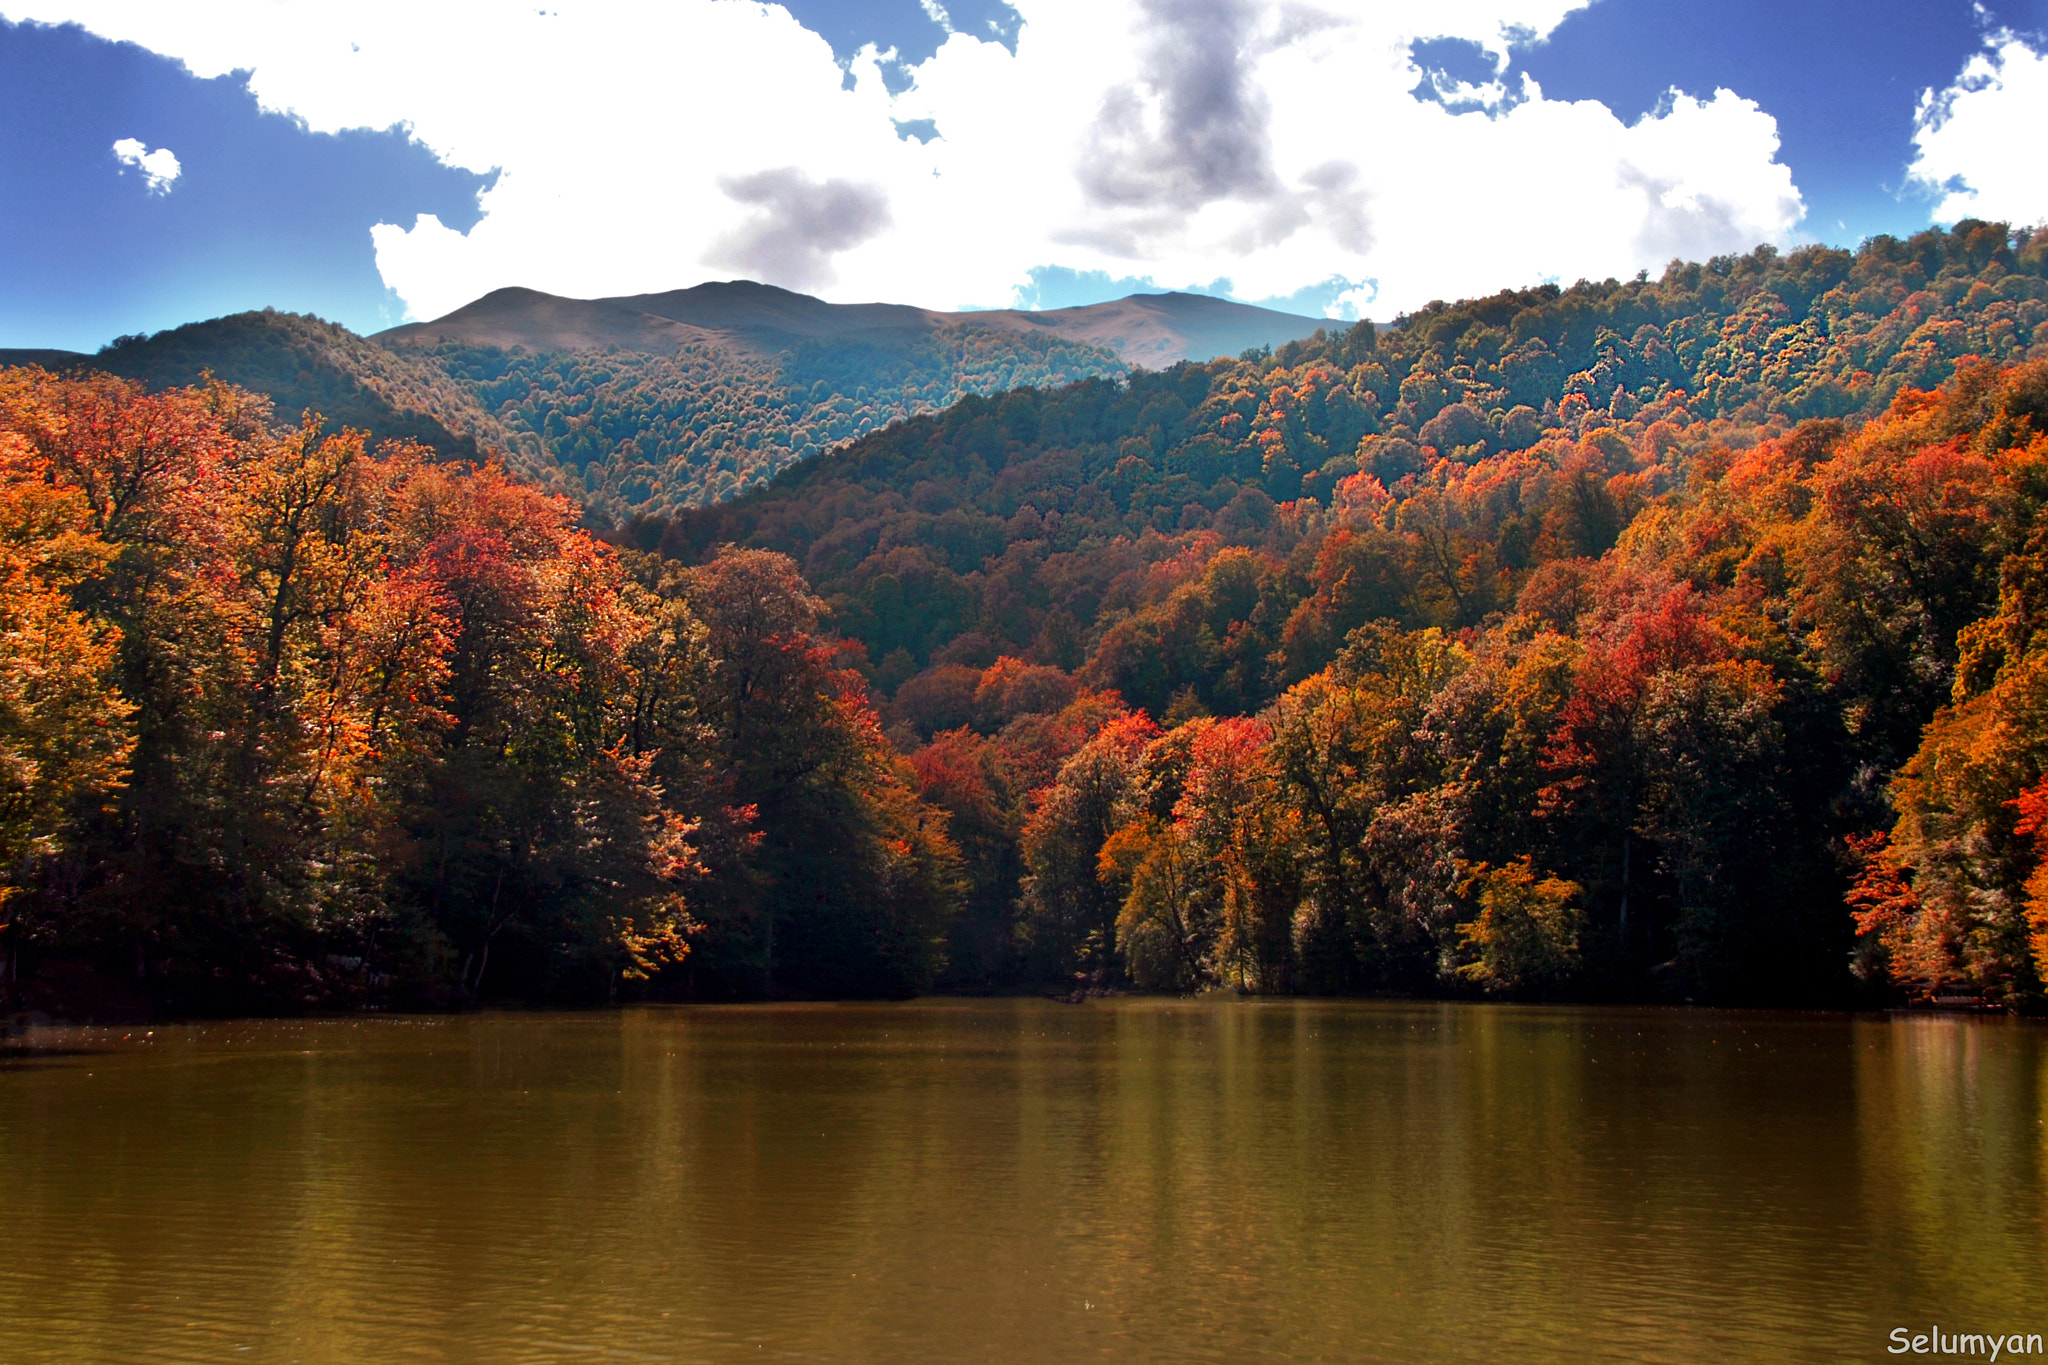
(506, 318)
(1158, 330)
(1153, 330)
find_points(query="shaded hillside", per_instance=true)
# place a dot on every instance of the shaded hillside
(38, 355)
(1050, 524)
(631, 432)
(1153, 330)
(304, 363)
(621, 430)
(657, 402)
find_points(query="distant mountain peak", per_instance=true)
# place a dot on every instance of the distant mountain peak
(1154, 330)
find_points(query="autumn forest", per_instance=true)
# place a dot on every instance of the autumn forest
(1662, 640)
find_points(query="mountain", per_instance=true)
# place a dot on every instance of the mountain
(1655, 617)
(1158, 330)
(653, 403)
(304, 364)
(39, 355)
(757, 319)
(1488, 434)
(1154, 330)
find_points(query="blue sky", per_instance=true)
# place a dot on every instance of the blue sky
(262, 212)
(1842, 78)
(164, 161)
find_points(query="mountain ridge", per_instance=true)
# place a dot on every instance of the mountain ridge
(648, 403)
(305, 364)
(1031, 524)
(1154, 330)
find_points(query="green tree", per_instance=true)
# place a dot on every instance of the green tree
(1525, 938)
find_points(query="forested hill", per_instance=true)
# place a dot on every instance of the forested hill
(656, 402)
(696, 416)
(303, 363)
(664, 401)
(628, 432)
(1052, 523)
(1601, 640)
(1154, 330)
(1671, 640)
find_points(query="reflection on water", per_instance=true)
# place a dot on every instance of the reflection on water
(1016, 1181)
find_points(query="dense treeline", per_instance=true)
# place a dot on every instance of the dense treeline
(631, 432)
(1806, 675)
(1350, 667)
(1037, 523)
(1561, 696)
(1655, 774)
(287, 721)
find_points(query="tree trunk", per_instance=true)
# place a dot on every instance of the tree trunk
(1625, 843)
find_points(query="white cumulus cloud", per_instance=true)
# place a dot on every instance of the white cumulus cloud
(1274, 143)
(1979, 141)
(159, 168)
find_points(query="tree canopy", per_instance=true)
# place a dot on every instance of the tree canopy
(1650, 641)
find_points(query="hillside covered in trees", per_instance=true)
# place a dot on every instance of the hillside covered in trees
(1660, 641)
(1502, 494)
(621, 430)
(655, 402)
(1045, 524)
(627, 431)
(300, 364)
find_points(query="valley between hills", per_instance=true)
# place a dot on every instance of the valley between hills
(657, 402)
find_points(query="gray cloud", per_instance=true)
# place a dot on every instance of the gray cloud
(803, 224)
(1299, 21)
(1330, 195)
(1208, 140)
(1694, 232)
(1121, 235)
(1339, 201)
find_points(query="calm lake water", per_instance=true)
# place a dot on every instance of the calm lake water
(1014, 1181)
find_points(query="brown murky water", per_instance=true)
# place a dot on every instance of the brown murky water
(1015, 1181)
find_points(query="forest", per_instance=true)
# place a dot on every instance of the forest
(630, 432)
(291, 722)
(1664, 641)
(622, 432)
(303, 363)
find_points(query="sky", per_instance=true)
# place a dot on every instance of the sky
(168, 160)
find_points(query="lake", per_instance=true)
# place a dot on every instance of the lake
(1127, 1180)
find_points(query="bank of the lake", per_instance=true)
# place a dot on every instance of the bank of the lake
(1023, 1181)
